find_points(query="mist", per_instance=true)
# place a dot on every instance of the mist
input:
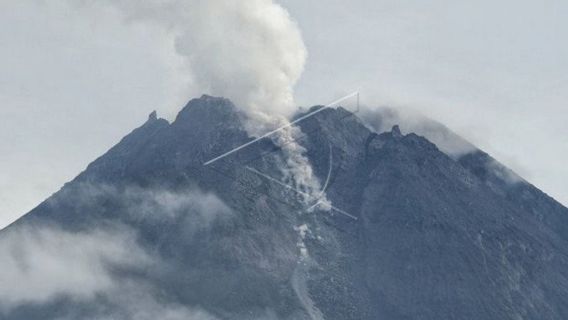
(97, 264)
(41, 263)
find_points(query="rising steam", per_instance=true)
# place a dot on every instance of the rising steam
(250, 51)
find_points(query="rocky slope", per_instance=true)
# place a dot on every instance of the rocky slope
(431, 237)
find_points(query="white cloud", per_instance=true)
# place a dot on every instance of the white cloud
(196, 208)
(411, 121)
(160, 204)
(40, 263)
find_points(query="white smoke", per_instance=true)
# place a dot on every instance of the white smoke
(250, 51)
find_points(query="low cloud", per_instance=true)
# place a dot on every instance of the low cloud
(140, 301)
(192, 206)
(43, 263)
(159, 204)
(40, 263)
(383, 119)
(503, 173)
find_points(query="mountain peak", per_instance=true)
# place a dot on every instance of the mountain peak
(396, 132)
(153, 116)
(227, 240)
(206, 97)
(210, 110)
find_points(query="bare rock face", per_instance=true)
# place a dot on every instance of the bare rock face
(426, 235)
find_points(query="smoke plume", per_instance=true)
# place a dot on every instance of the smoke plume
(251, 51)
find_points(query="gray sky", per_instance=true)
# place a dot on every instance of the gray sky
(73, 82)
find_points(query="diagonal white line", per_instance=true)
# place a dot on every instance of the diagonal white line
(315, 205)
(300, 192)
(278, 182)
(282, 127)
(343, 212)
(325, 185)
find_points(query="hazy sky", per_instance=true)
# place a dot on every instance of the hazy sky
(73, 82)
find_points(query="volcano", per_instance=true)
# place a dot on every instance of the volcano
(414, 232)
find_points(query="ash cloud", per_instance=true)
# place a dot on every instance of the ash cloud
(251, 51)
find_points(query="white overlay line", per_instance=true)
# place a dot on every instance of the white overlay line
(282, 127)
(301, 192)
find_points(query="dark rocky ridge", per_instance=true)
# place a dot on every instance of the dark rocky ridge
(436, 237)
